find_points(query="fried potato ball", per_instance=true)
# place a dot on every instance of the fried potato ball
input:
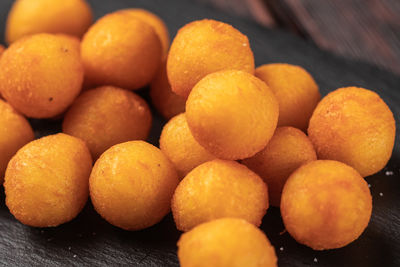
(29, 17)
(121, 50)
(227, 242)
(217, 189)
(295, 90)
(232, 114)
(355, 126)
(326, 204)
(15, 132)
(107, 116)
(164, 100)
(156, 22)
(41, 75)
(179, 146)
(288, 149)
(203, 47)
(131, 185)
(47, 181)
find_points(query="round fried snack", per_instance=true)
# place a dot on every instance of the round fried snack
(217, 189)
(203, 47)
(227, 242)
(131, 185)
(107, 116)
(180, 147)
(288, 149)
(15, 132)
(121, 50)
(29, 17)
(47, 181)
(355, 126)
(164, 100)
(295, 90)
(326, 204)
(232, 114)
(41, 75)
(156, 22)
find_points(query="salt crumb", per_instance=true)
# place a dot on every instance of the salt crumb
(94, 233)
(74, 256)
(49, 239)
(315, 260)
(389, 173)
(381, 194)
(41, 231)
(281, 248)
(369, 185)
(69, 248)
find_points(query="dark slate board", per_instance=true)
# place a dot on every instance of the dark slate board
(89, 240)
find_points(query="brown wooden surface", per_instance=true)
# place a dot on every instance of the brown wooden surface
(367, 30)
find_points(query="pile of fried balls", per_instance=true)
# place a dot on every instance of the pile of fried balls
(238, 139)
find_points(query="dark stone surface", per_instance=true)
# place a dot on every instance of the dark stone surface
(90, 241)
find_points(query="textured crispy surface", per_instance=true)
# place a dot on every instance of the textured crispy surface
(326, 204)
(232, 114)
(48, 16)
(156, 22)
(288, 149)
(131, 185)
(217, 189)
(227, 242)
(46, 182)
(203, 47)
(164, 100)
(121, 50)
(15, 132)
(295, 90)
(107, 116)
(355, 126)
(180, 147)
(41, 75)
(2, 49)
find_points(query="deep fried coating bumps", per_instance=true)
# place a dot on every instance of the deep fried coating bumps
(288, 149)
(131, 185)
(203, 47)
(47, 181)
(164, 100)
(121, 50)
(29, 17)
(15, 132)
(295, 90)
(156, 22)
(179, 146)
(326, 204)
(232, 114)
(107, 116)
(227, 242)
(217, 189)
(41, 75)
(355, 126)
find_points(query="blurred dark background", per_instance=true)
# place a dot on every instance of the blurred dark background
(365, 30)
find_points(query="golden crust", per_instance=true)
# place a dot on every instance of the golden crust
(131, 185)
(227, 242)
(355, 126)
(107, 116)
(203, 47)
(47, 181)
(326, 204)
(218, 189)
(288, 149)
(41, 75)
(232, 114)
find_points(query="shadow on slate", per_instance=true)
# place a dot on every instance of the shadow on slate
(89, 240)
